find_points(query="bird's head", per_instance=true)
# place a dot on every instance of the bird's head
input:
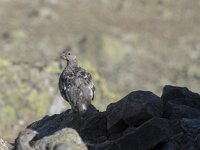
(69, 57)
(27, 134)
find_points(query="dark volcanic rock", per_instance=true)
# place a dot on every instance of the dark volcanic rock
(175, 111)
(197, 141)
(134, 122)
(181, 95)
(183, 105)
(95, 128)
(177, 142)
(147, 135)
(171, 145)
(194, 103)
(59, 128)
(191, 125)
(192, 131)
(89, 123)
(134, 109)
(173, 92)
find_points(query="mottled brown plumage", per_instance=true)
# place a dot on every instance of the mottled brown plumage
(75, 84)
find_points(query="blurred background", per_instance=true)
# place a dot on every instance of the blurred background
(127, 45)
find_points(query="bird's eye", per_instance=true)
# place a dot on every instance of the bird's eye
(69, 53)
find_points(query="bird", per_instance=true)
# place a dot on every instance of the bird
(75, 84)
(24, 138)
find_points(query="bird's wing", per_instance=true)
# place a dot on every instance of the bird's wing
(93, 91)
(84, 79)
(65, 84)
(82, 73)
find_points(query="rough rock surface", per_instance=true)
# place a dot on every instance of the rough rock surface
(133, 110)
(4, 145)
(153, 131)
(62, 138)
(181, 95)
(139, 121)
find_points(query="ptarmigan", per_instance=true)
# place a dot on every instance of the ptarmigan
(25, 136)
(75, 84)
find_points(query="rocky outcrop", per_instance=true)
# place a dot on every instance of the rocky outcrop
(4, 145)
(140, 121)
(133, 110)
(63, 139)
